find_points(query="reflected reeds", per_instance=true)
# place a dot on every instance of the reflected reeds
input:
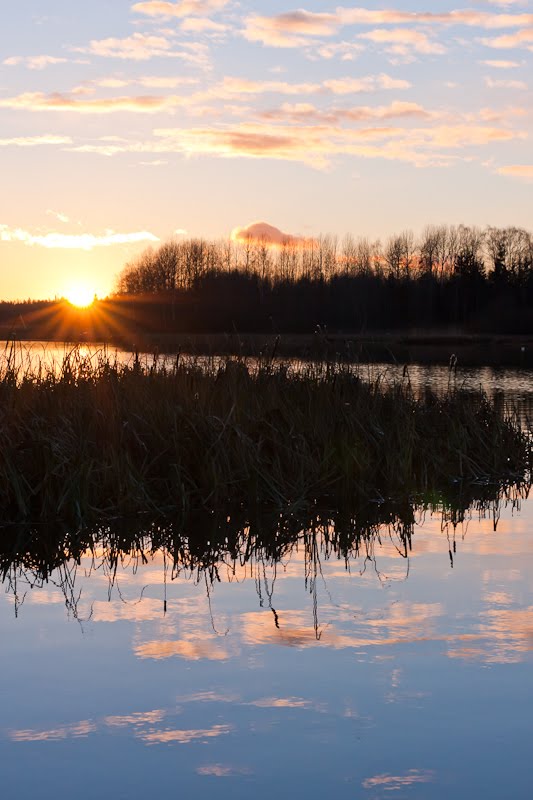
(206, 547)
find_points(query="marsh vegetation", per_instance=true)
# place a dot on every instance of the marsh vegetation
(97, 439)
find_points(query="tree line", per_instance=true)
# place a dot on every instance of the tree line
(462, 276)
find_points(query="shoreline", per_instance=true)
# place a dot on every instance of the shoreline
(470, 350)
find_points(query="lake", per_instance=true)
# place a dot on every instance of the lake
(388, 655)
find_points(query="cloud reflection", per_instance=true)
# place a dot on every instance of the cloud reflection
(185, 736)
(393, 783)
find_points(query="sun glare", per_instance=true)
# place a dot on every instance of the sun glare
(80, 295)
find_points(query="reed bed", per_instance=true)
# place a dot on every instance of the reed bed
(97, 439)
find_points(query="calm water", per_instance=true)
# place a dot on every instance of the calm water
(380, 672)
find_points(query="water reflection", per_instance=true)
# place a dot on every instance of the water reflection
(205, 548)
(378, 652)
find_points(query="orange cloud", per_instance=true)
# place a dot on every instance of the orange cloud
(518, 171)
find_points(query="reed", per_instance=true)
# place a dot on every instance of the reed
(92, 439)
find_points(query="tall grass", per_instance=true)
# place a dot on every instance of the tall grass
(95, 439)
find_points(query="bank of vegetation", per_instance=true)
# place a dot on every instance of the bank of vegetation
(451, 277)
(97, 440)
(460, 279)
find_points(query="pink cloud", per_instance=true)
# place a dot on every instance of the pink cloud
(262, 232)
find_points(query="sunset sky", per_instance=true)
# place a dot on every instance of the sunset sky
(125, 123)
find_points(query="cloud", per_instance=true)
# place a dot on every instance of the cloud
(33, 62)
(289, 29)
(58, 215)
(143, 47)
(37, 101)
(293, 29)
(248, 141)
(202, 25)
(184, 8)
(490, 83)
(370, 83)
(404, 41)
(231, 87)
(317, 144)
(518, 171)
(81, 101)
(346, 51)
(82, 241)
(309, 112)
(510, 41)
(262, 232)
(35, 141)
(500, 64)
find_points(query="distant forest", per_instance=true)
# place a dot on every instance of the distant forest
(462, 278)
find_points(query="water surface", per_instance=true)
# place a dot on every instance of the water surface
(306, 662)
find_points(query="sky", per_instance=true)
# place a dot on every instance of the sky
(124, 124)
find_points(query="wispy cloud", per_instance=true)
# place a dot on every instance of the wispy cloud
(143, 47)
(34, 62)
(290, 29)
(309, 112)
(524, 171)
(58, 215)
(369, 83)
(510, 41)
(37, 101)
(82, 241)
(500, 63)
(293, 28)
(492, 83)
(183, 8)
(35, 141)
(404, 41)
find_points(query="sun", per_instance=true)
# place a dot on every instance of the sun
(80, 295)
